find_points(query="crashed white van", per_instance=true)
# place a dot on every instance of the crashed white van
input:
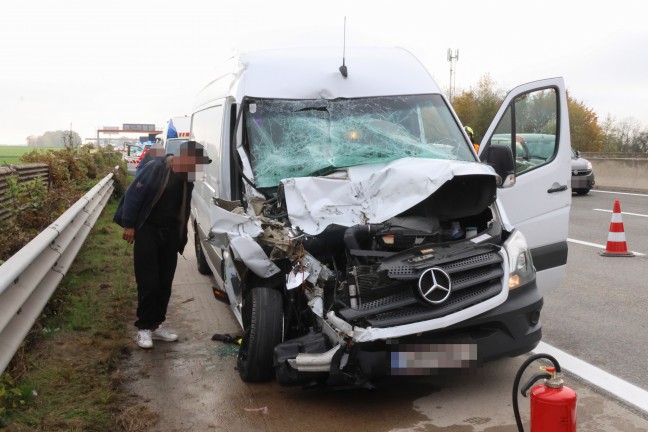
(354, 231)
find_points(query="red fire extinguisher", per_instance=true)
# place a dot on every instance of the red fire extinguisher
(553, 405)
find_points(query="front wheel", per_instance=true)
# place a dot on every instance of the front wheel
(581, 191)
(263, 320)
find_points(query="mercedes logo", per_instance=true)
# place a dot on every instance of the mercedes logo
(434, 285)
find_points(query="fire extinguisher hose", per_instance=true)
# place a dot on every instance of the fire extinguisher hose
(516, 383)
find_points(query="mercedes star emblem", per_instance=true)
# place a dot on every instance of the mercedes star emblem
(434, 285)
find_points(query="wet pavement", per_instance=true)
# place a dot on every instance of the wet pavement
(192, 385)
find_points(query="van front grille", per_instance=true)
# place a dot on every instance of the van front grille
(388, 293)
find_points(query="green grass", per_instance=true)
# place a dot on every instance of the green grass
(67, 376)
(11, 154)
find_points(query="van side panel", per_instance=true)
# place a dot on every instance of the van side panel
(207, 129)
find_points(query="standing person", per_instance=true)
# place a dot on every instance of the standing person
(156, 150)
(154, 213)
(469, 131)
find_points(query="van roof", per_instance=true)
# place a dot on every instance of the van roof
(313, 73)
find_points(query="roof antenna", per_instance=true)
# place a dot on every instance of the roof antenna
(343, 68)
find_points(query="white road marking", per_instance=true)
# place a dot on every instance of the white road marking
(618, 193)
(598, 245)
(609, 383)
(621, 389)
(623, 213)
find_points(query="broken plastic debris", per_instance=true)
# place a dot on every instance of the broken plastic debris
(249, 251)
(296, 279)
(263, 410)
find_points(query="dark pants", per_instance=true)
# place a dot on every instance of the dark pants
(155, 258)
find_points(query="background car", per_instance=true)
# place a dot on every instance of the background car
(531, 149)
(172, 145)
(132, 157)
(582, 179)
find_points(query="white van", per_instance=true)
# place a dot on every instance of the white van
(353, 228)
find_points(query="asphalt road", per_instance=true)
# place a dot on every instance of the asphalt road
(599, 313)
(192, 384)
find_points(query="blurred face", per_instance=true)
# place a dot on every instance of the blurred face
(188, 162)
(157, 151)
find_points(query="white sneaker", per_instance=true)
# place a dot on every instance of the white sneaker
(162, 333)
(144, 339)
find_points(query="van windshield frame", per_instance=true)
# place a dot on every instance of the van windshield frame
(301, 138)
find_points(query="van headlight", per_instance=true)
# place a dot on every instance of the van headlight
(520, 263)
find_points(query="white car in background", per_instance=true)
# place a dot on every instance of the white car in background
(172, 145)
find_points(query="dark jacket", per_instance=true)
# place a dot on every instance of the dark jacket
(145, 191)
(145, 159)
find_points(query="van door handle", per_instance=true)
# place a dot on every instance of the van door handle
(557, 189)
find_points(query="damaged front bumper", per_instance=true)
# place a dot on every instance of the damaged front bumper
(343, 355)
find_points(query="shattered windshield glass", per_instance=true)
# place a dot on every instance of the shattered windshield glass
(299, 138)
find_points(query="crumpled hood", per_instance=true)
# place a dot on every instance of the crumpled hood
(369, 193)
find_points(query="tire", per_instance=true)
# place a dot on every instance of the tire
(581, 191)
(203, 267)
(263, 318)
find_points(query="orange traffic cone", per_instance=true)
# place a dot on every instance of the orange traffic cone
(616, 243)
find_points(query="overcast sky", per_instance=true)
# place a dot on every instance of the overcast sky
(88, 64)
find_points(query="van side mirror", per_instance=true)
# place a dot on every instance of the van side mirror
(500, 157)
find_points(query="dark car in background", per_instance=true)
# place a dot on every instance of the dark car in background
(533, 149)
(582, 178)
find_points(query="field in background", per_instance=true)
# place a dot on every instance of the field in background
(11, 154)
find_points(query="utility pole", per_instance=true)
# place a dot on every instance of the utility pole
(452, 58)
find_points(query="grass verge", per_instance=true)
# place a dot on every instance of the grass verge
(67, 376)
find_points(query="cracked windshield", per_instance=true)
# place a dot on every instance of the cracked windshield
(299, 138)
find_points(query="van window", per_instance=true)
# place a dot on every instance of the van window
(206, 129)
(531, 122)
(298, 138)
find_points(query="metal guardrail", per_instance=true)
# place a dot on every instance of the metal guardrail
(30, 277)
(608, 155)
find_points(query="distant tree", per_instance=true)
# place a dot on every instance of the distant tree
(586, 134)
(477, 106)
(57, 138)
(50, 139)
(625, 136)
(536, 112)
(640, 142)
(611, 141)
(69, 139)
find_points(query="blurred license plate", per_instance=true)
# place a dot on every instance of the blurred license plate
(426, 359)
